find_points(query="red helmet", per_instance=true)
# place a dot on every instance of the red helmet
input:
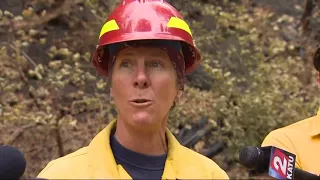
(143, 20)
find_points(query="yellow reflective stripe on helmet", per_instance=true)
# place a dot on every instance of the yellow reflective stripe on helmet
(109, 26)
(175, 22)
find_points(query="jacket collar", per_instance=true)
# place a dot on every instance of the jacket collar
(315, 125)
(173, 156)
(102, 163)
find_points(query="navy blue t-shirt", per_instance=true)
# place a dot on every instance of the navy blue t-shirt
(138, 166)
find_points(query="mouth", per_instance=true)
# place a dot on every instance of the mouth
(141, 102)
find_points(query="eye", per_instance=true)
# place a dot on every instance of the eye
(124, 64)
(155, 64)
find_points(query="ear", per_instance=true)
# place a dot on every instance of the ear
(318, 78)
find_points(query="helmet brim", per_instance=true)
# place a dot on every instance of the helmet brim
(191, 53)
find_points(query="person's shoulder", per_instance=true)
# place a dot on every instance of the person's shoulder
(286, 137)
(203, 163)
(67, 166)
(298, 127)
(304, 124)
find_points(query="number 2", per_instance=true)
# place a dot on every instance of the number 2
(277, 162)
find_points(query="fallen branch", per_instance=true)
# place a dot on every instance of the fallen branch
(58, 134)
(268, 59)
(20, 130)
(213, 151)
(65, 7)
(197, 136)
(56, 131)
(10, 45)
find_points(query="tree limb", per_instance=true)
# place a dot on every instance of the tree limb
(197, 136)
(65, 7)
(20, 130)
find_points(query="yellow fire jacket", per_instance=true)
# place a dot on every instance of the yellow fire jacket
(302, 139)
(96, 161)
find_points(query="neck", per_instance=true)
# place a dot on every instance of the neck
(151, 142)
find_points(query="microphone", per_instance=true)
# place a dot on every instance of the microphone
(273, 161)
(12, 163)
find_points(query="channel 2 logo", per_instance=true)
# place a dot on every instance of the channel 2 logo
(282, 164)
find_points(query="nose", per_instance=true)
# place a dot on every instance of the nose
(141, 79)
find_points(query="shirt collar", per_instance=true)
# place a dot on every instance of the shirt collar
(102, 163)
(315, 125)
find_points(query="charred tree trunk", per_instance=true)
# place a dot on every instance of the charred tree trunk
(307, 12)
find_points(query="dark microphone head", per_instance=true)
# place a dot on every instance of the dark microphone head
(249, 156)
(254, 158)
(12, 163)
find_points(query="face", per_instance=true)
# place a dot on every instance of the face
(144, 86)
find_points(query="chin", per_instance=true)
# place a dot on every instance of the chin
(142, 119)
